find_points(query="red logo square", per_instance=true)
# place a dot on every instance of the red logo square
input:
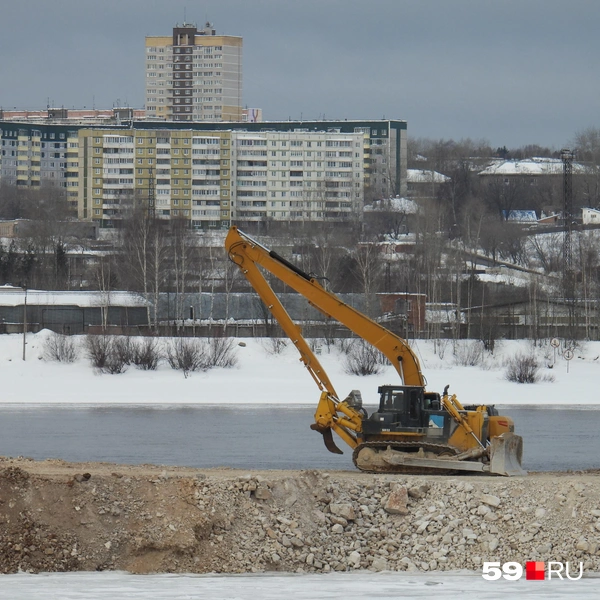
(535, 570)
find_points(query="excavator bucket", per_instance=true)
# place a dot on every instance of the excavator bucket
(327, 438)
(506, 452)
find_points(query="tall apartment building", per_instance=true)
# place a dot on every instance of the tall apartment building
(212, 174)
(194, 75)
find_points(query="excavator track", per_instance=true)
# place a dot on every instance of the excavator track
(438, 449)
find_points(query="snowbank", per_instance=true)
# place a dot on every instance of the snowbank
(263, 377)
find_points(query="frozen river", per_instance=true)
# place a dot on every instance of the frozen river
(335, 586)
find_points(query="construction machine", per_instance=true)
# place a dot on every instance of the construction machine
(413, 430)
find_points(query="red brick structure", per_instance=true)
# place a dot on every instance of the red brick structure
(410, 306)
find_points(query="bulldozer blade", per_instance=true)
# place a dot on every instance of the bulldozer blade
(506, 452)
(327, 438)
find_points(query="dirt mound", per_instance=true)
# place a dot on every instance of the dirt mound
(56, 516)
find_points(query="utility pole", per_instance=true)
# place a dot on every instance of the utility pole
(567, 156)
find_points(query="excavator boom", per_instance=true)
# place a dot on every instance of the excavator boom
(244, 251)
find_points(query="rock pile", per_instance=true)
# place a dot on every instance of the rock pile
(148, 520)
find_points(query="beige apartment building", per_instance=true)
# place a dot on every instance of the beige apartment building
(194, 75)
(212, 178)
(211, 174)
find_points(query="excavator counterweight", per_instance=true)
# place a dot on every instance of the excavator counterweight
(413, 430)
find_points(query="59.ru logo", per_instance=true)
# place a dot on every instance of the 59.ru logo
(534, 570)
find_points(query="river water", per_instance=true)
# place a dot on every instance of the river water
(252, 436)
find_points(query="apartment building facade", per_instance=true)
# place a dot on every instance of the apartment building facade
(215, 177)
(210, 174)
(33, 155)
(194, 75)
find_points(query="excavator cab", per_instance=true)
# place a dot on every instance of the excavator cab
(400, 406)
(407, 407)
(412, 411)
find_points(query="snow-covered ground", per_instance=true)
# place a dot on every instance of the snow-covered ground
(264, 377)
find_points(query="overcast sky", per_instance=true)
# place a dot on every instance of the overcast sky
(512, 72)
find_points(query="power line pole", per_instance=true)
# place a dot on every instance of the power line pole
(568, 275)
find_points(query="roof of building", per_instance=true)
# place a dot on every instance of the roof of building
(398, 204)
(425, 176)
(530, 166)
(15, 296)
(378, 127)
(520, 216)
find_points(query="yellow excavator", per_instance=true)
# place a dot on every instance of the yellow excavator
(413, 430)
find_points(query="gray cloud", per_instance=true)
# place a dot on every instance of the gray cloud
(513, 72)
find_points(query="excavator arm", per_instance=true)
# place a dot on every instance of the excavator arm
(247, 253)
(331, 413)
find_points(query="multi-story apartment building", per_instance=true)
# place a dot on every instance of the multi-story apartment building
(297, 176)
(214, 177)
(211, 174)
(194, 75)
(32, 155)
(178, 173)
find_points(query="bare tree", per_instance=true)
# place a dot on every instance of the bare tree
(367, 269)
(181, 252)
(586, 145)
(145, 247)
(104, 278)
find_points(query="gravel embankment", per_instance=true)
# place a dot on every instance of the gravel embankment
(56, 516)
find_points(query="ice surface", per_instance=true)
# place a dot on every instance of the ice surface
(335, 586)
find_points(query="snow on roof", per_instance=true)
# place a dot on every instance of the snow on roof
(398, 204)
(508, 278)
(530, 166)
(520, 216)
(15, 296)
(424, 176)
